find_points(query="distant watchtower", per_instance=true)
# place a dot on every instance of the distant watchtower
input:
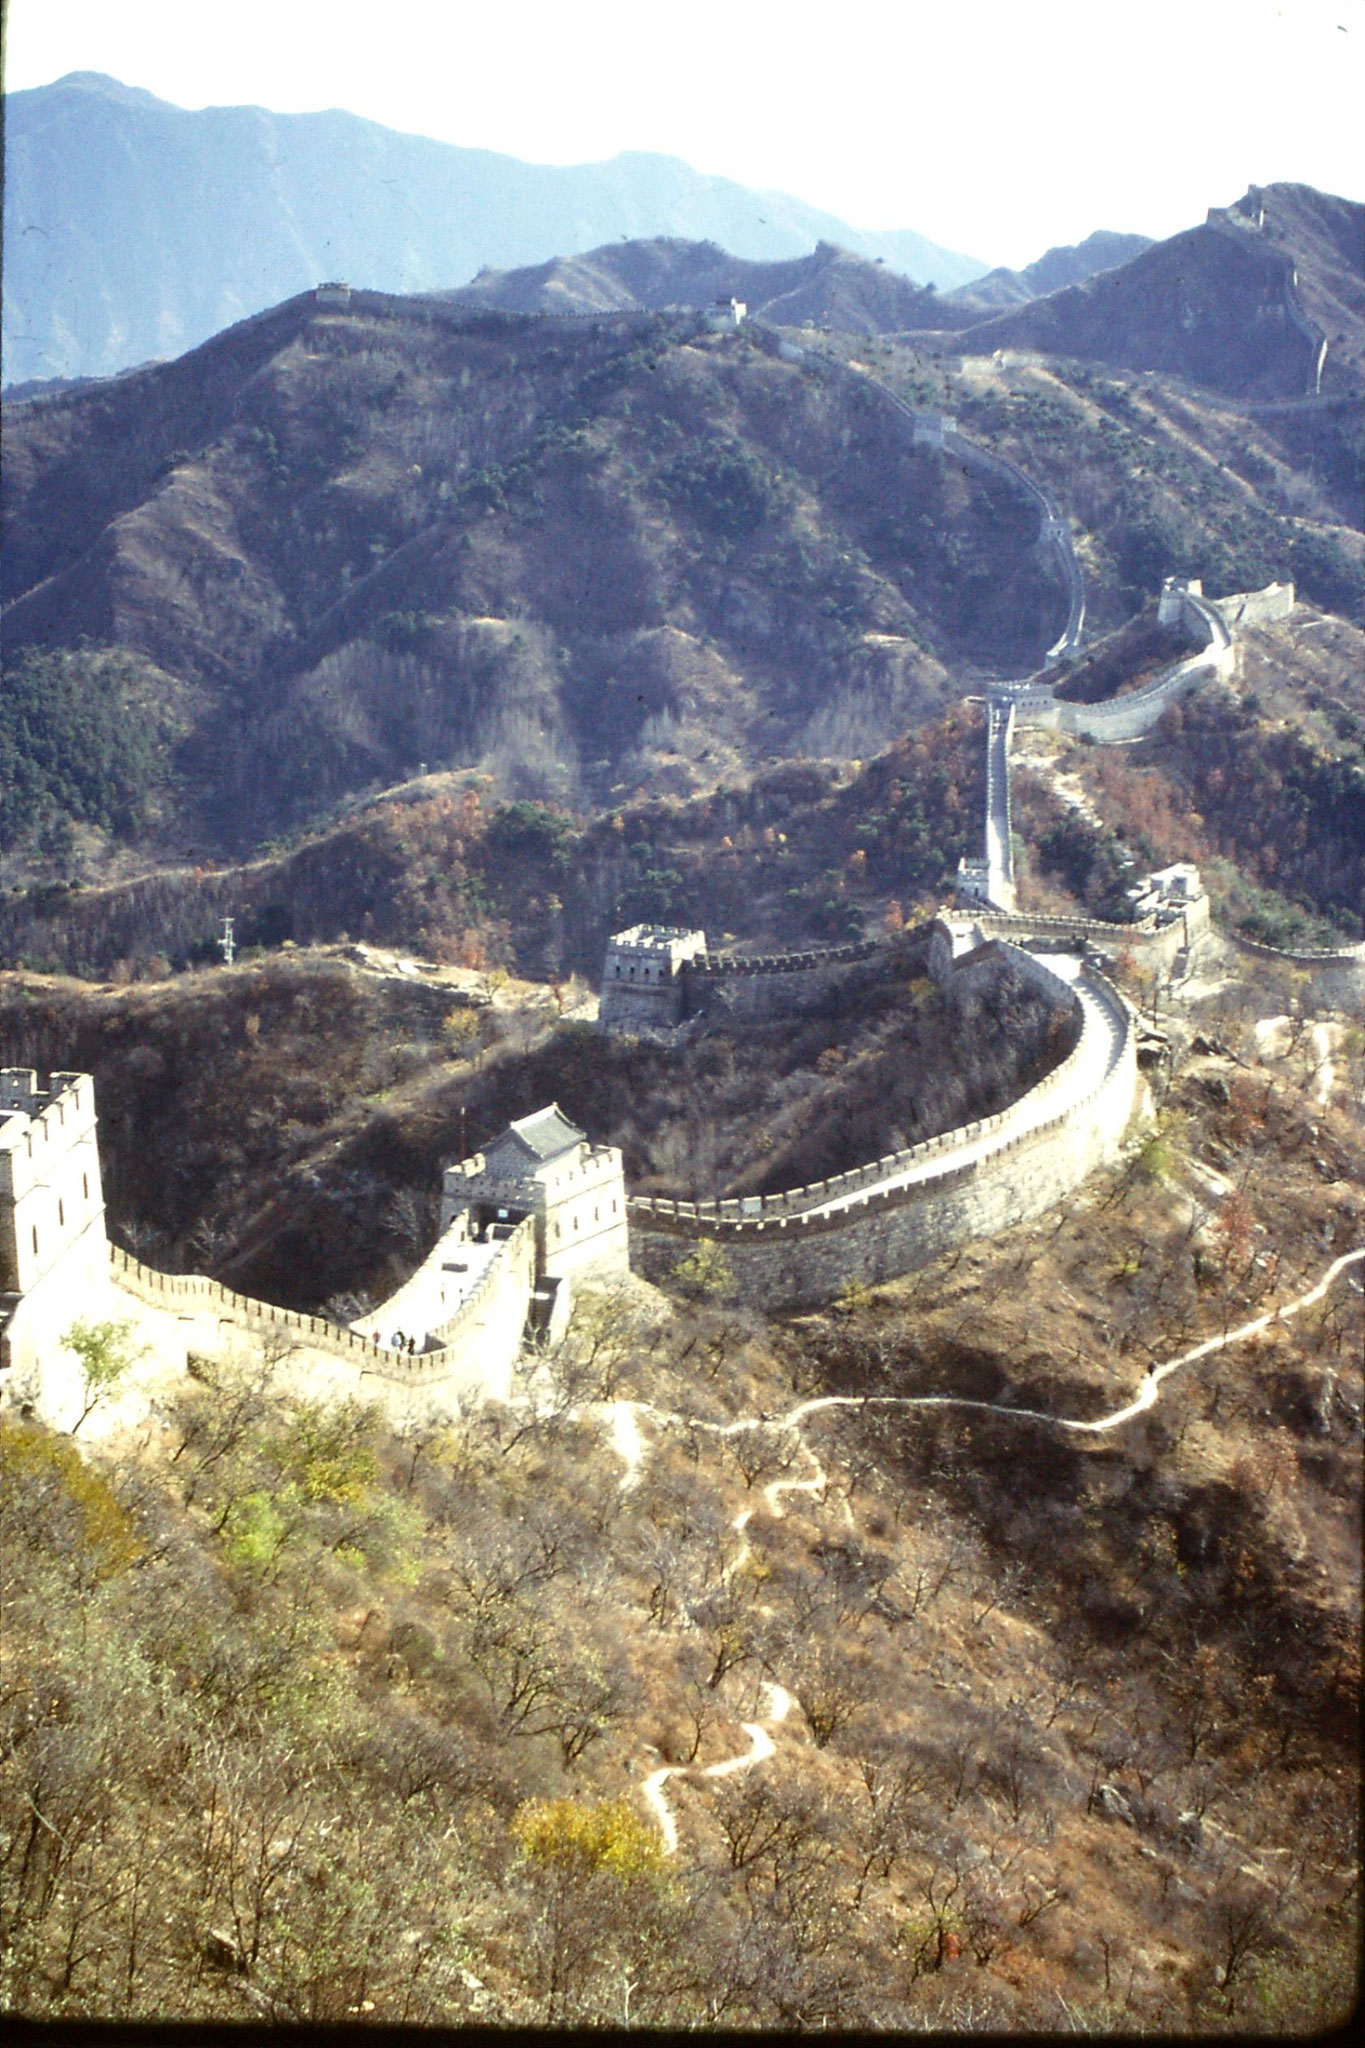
(725, 315)
(930, 428)
(642, 980)
(1175, 593)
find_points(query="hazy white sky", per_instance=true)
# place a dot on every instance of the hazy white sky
(997, 127)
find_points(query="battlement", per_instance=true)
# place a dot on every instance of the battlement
(890, 1215)
(39, 1126)
(20, 1089)
(545, 1169)
(52, 1242)
(640, 979)
(712, 966)
(685, 981)
(49, 1173)
(651, 953)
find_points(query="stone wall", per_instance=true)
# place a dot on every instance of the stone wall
(1000, 716)
(941, 431)
(1256, 607)
(701, 1217)
(475, 1350)
(1054, 534)
(584, 1222)
(1154, 945)
(793, 1260)
(1338, 976)
(480, 1344)
(50, 1195)
(52, 1242)
(641, 985)
(772, 985)
(196, 1293)
(1118, 719)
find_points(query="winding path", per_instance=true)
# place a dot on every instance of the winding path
(761, 1747)
(627, 1442)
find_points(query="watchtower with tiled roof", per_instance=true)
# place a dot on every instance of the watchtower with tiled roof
(544, 1166)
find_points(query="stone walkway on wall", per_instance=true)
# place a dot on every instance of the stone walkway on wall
(1097, 1053)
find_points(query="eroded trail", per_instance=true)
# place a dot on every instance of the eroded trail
(761, 1747)
(1146, 1398)
(623, 1418)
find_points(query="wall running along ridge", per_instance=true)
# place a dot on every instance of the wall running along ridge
(1054, 531)
(1238, 225)
(1128, 718)
(1338, 976)
(795, 1249)
(458, 1353)
(473, 1350)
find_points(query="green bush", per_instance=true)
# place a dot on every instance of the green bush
(725, 488)
(74, 744)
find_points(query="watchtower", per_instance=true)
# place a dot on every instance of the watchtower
(53, 1251)
(1175, 592)
(724, 315)
(642, 981)
(543, 1166)
(931, 427)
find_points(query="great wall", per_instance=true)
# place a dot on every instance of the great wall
(522, 1223)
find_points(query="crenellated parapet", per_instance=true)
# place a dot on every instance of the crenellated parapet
(642, 978)
(1119, 719)
(802, 1245)
(51, 1201)
(659, 977)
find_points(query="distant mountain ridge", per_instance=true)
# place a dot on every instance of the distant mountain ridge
(832, 286)
(1054, 270)
(136, 229)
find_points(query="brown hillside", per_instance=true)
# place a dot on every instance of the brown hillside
(830, 287)
(596, 561)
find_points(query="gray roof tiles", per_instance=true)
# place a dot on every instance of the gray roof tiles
(547, 1133)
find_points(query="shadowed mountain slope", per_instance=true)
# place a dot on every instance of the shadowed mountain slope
(594, 556)
(1053, 271)
(1241, 304)
(831, 287)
